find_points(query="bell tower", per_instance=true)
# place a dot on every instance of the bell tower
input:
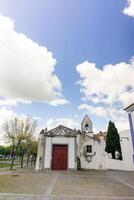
(86, 125)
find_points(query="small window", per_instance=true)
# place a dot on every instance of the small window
(86, 125)
(89, 148)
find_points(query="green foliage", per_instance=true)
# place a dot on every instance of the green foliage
(31, 146)
(28, 149)
(113, 140)
(2, 150)
(5, 150)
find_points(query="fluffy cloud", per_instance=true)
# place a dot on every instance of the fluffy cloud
(100, 111)
(117, 115)
(5, 114)
(26, 68)
(108, 90)
(59, 102)
(112, 84)
(52, 123)
(12, 102)
(129, 10)
(68, 122)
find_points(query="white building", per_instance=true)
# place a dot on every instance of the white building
(57, 149)
(65, 149)
(130, 110)
(91, 147)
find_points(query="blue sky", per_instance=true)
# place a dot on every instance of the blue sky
(96, 31)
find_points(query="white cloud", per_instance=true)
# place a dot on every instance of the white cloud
(37, 118)
(107, 112)
(112, 84)
(59, 102)
(129, 10)
(108, 90)
(5, 114)
(26, 68)
(52, 123)
(117, 115)
(12, 102)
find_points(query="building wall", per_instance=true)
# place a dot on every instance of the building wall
(102, 160)
(127, 148)
(132, 114)
(70, 141)
(98, 160)
(127, 154)
(131, 122)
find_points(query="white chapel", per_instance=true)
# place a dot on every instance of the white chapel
(63, 148)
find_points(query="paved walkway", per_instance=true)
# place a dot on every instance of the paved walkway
(82, 185)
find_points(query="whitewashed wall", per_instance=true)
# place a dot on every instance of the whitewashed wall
(102, 161)
(70, 141)
(132, 115)
(127, 154)
(98, 161)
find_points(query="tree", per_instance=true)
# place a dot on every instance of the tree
(112, 140)
(28, 148)
(32, 145)
(22, 149)
(5, 151)
(17, 130)
(2, 150)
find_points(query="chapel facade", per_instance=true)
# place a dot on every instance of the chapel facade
(63, 148)
(57, 149)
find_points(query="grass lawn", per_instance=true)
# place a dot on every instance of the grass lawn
(6, 165)
(1, 159)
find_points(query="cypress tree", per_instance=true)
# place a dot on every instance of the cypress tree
(113, 140)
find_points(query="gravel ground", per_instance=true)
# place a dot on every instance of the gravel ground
(81, 185)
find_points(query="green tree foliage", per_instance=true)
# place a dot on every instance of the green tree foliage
(32, 146)
(28, 149)
(113, 141)
(2, 150)
(5, 151)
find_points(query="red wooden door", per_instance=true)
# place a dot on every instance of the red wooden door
(59, 157)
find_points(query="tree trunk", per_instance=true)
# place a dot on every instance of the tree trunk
(13, 148)
(13, 158)
(35, 160)
(28, 160)
(22, 156)
(12, 151)
(12, 162)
